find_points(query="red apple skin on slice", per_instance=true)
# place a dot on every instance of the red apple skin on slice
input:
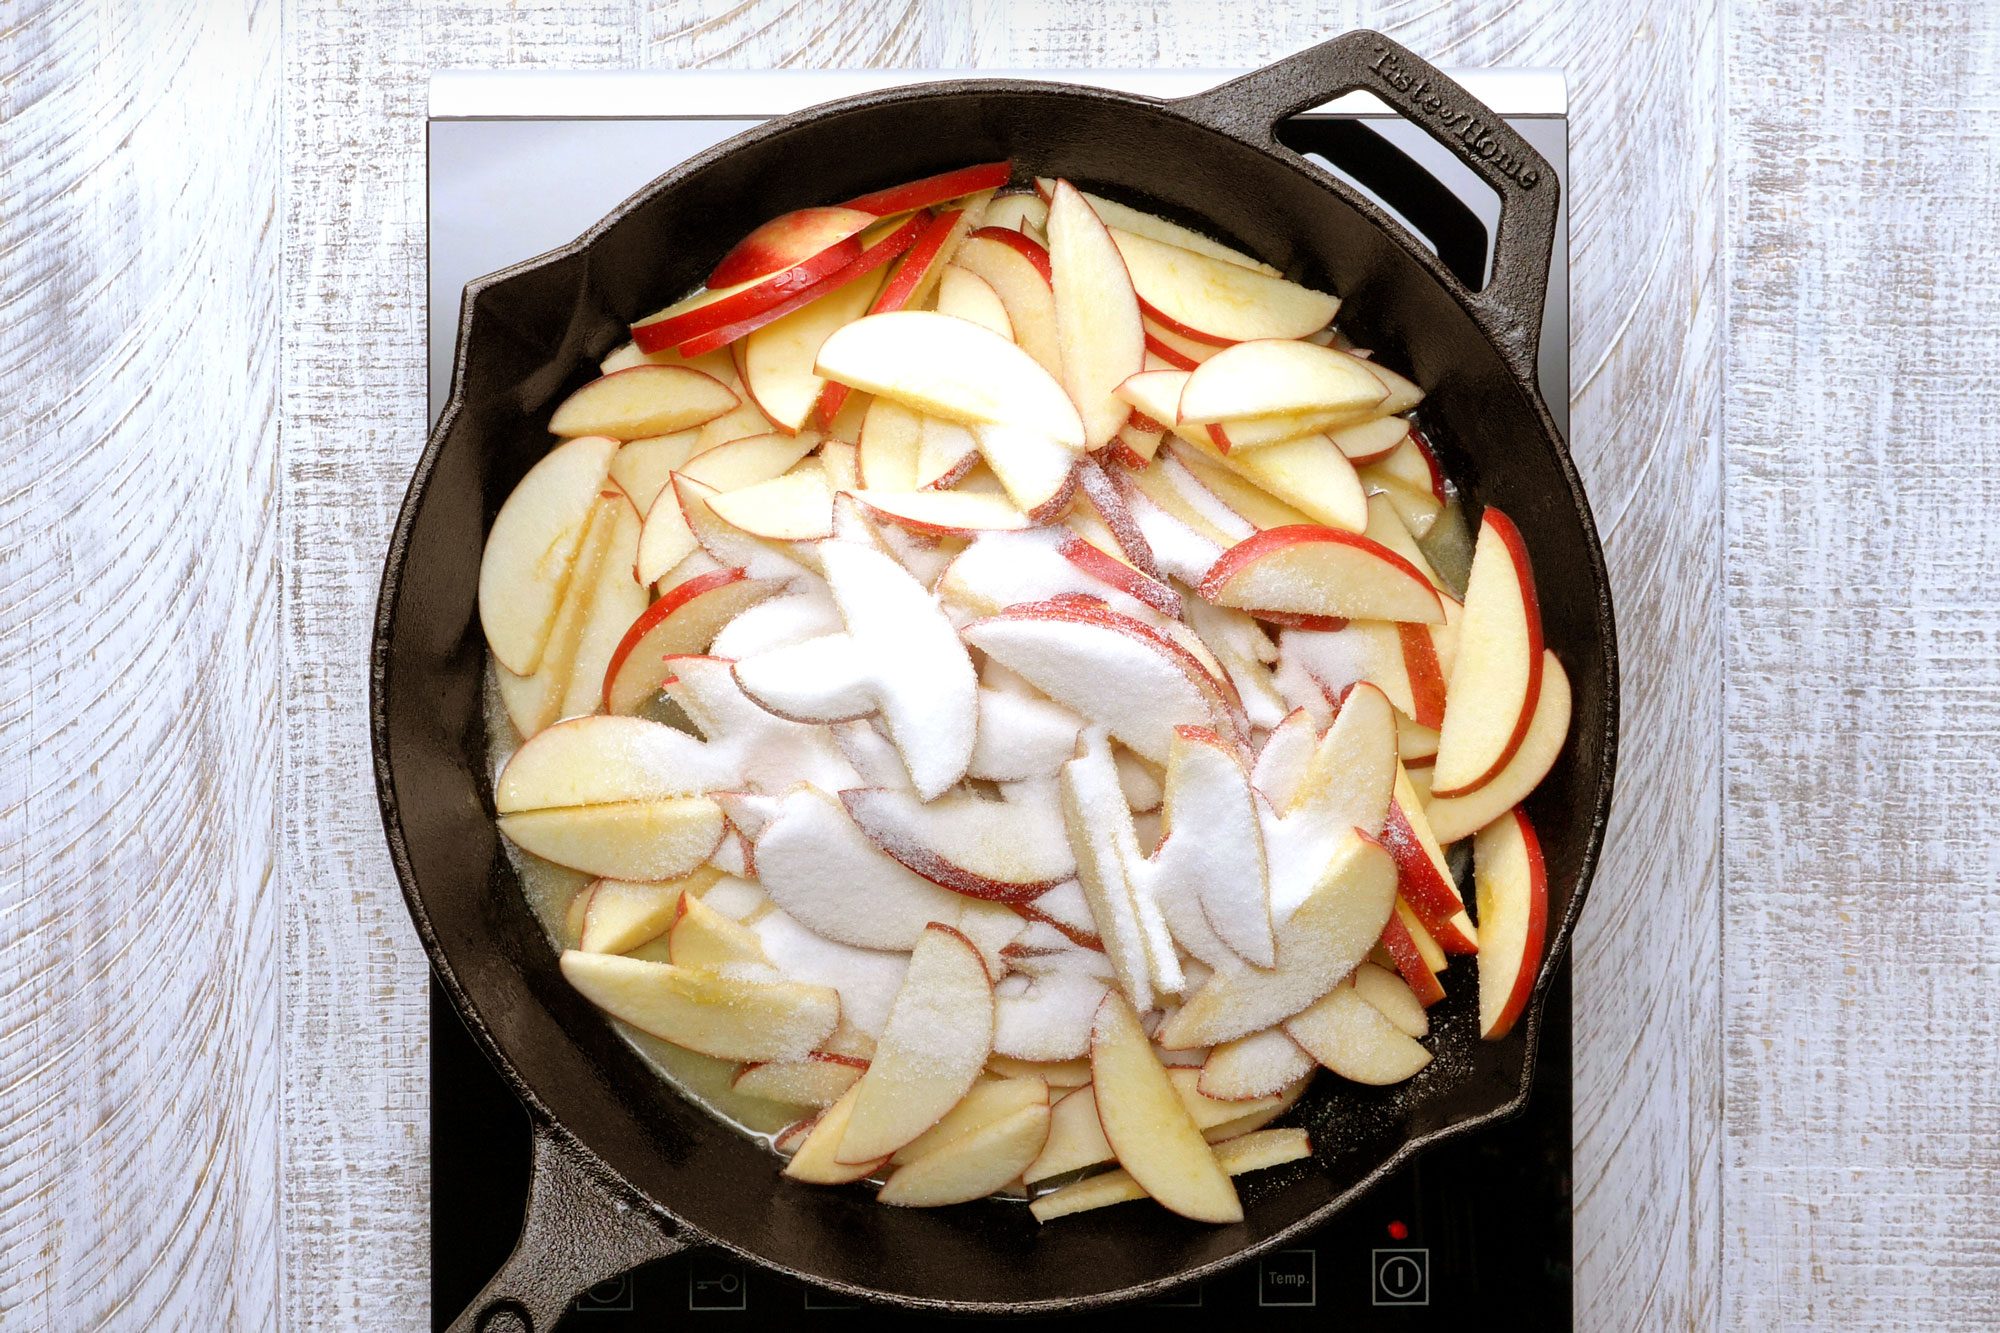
(954, 184)
(874, 254)
(937, 1039)
(1423, 877)
(708, 310)
(1512, 888)
(1311, 570)
(1399, 939)
(1019, 276)
(1148, 1125)
(1497, 664)
(1453, 818)
(683, 621)
(786, 240)
(776, 360)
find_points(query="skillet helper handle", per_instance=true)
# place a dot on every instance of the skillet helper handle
(582, 1228)
(1510, 305)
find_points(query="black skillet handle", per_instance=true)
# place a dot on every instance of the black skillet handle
(1510, 305)
(582, 1228)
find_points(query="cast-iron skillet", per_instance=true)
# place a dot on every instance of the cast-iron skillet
(625, 1169)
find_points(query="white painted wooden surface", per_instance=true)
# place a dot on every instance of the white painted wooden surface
(212, 1095)
(1862, 1010)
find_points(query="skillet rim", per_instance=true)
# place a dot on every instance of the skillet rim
(545, 1122)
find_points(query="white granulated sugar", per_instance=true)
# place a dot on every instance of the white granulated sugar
(873, 755)
(1048, 1019)
(778, 622)
(735, 897)
(1126, 681)
(1202, 500)
(771, 753)
(1334, 658)
(1285, 758)
(1178, 549)
(819, 866)
(1003, 569)
(867, 979)
(1021, 737)
(967, 842)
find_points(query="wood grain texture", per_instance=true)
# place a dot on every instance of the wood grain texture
(139, 687)
(1863, 997)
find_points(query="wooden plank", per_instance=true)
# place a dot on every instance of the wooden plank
(139, 678)
(1862, 1012)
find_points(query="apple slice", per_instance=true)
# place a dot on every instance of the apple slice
(986, 1103)
(1368, 442)
(1497, 668)
(1229, 491)
(1169, 350)
(1398, 659)
(1029, 431)
(953, 184)
(1018, 270)
(1256, 1151)
(644, 840)
(867, 979)
(1075, 1139)
(795, 507)
(1278, 377)
(1002, 851)
(703, 938)
(1347, 786)
(1021, 737)
(640, 402)
(1148, 1125)
(1005, 569)
(1213, 300)
(1352, 1038)
(1045, 1017)
(786, 618)
(1019, 209)
(910, 284)
(1157, 228)
(819, 1080)
(619, 915)
(885, 243)
(745, 461)
(971, 1167)
(714, 308)
(1211, 852)
(898, 655)
(767, 753)
(776, 360)
(1260, 1065)
(902, 450)
(937, 1039)
(966, 295)
(531, 550)
(1114, 670)
(815, 1160)
(1513, 892)
(818, 865)
(1418, 959)
(1316, 946)
(726, 1017)
(1060, 1075)
(601, 600)
(686, 620)
(1285, 759)
(1393, 997)
(1111, 872)
(641, 467)
(787, 240)
(945, 513)
(1098, 334)
(1453, 818)
(601, 760)
(1422, 877)
(1309, 570)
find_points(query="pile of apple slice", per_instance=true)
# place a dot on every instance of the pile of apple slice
(984, 649)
